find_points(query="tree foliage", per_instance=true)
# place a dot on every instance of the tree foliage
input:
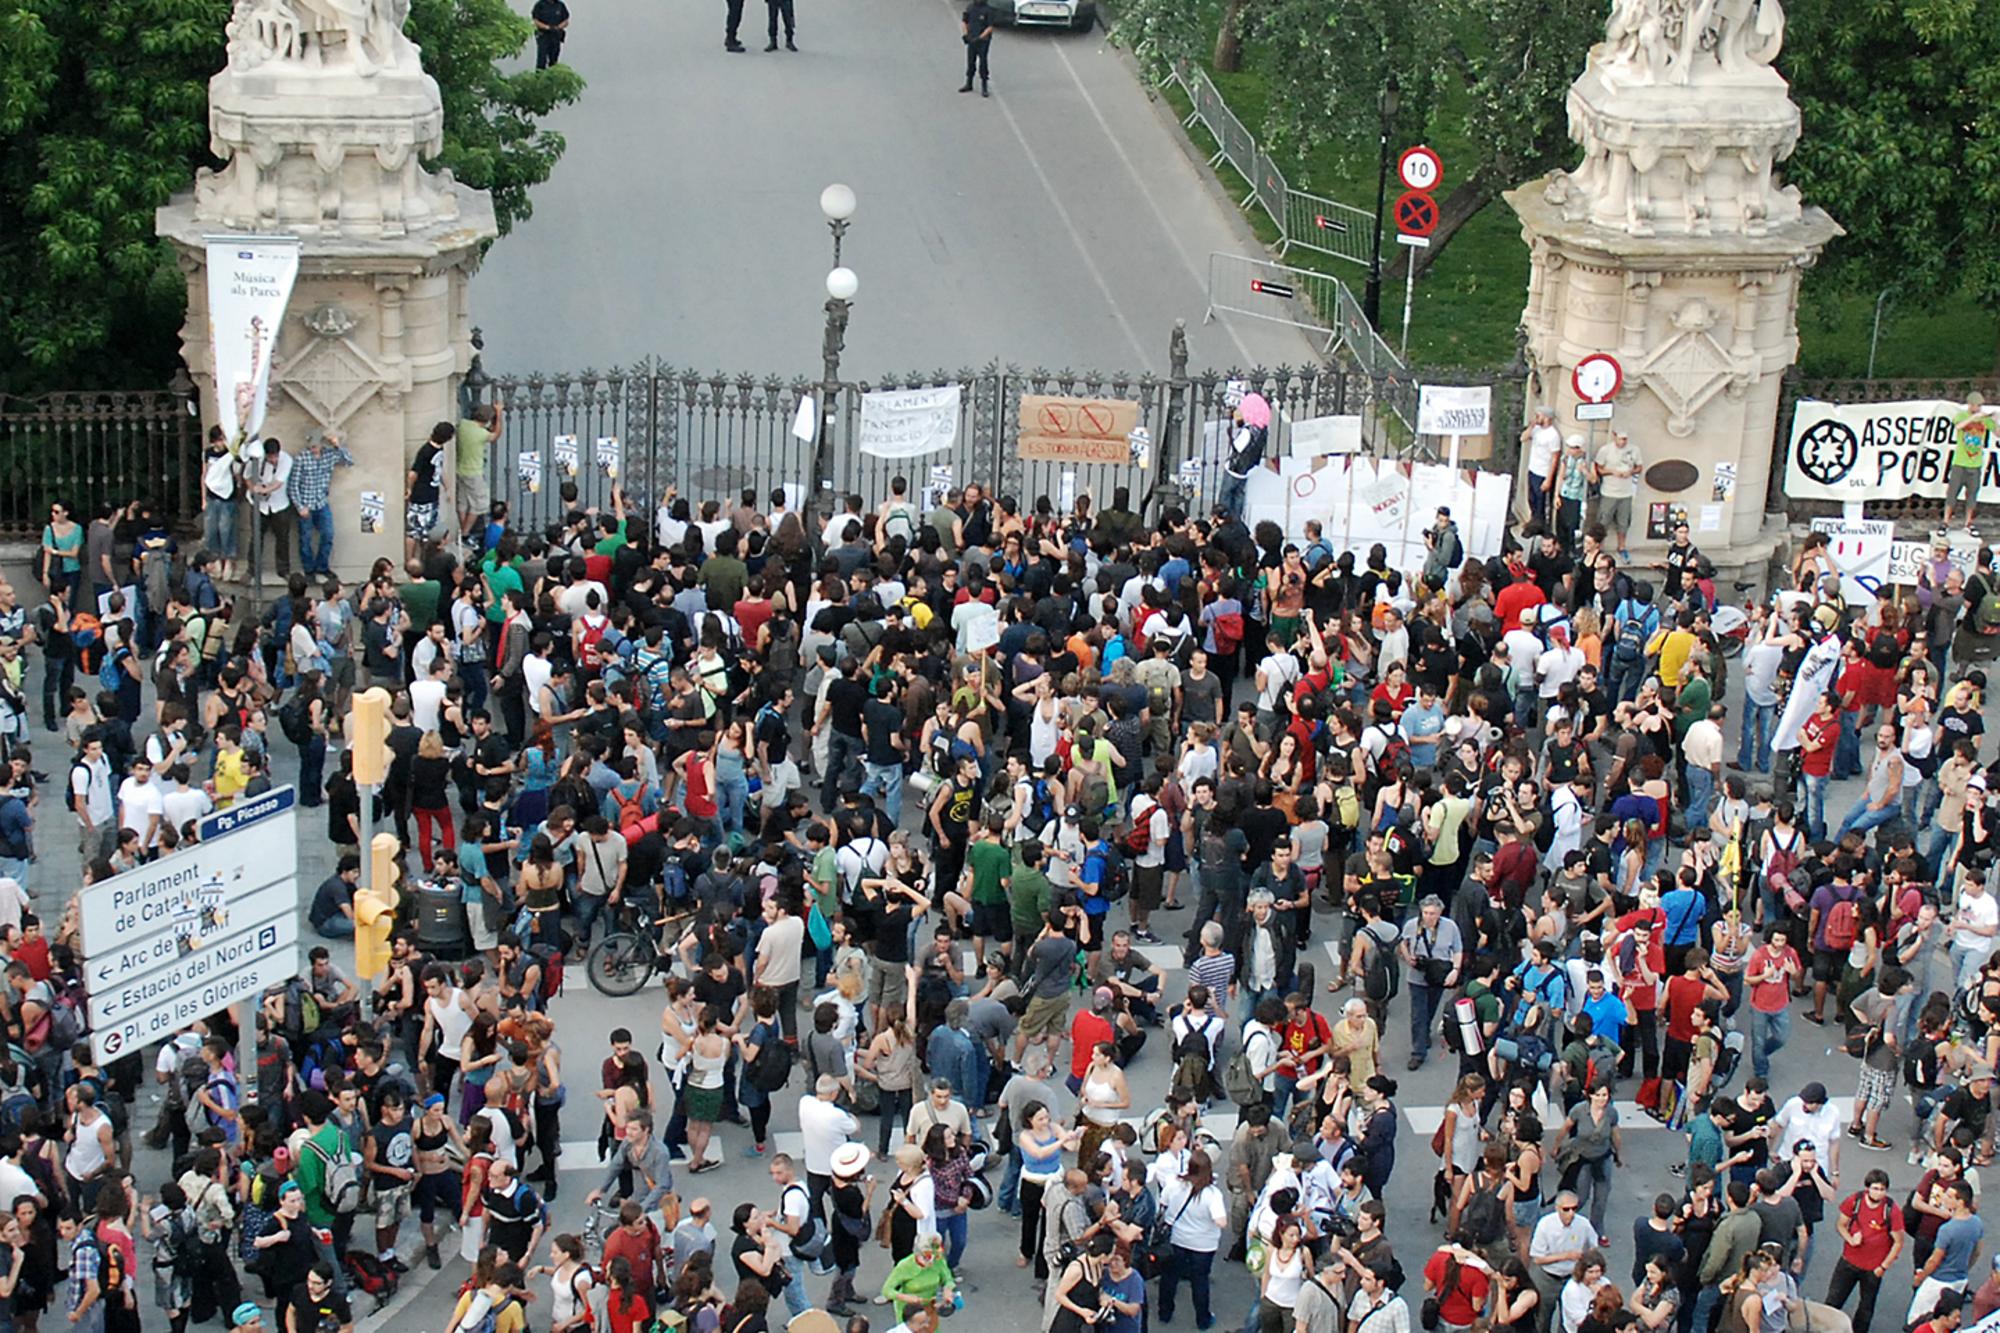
(104, 117)
(1901, 144)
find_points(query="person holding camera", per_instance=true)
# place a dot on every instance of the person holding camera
(1431, 950)
(1081, 1296)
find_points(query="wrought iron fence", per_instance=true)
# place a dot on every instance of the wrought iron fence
(97, 447)
(713, 436)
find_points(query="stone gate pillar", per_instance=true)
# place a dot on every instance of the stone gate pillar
(322, 116)
(1674, 247)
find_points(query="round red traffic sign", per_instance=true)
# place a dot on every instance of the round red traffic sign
(1416, 213)
(1420, 168)
(1597, 378)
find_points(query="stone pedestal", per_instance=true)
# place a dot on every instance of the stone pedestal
(321, 117)
(1674, 248)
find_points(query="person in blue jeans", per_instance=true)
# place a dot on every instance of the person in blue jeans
(1884, 798)
(1198, 1214)
(1769, 975)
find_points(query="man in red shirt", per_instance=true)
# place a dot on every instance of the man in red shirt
(1871, 1232)
(1306, 1039)
(1817, 741)
(1768, 975)
(1089, 1027)
(1514, 864)
(1640, 959)
(636, 1238)
(1460, 1280)
(1686, 993)
(1520, 595)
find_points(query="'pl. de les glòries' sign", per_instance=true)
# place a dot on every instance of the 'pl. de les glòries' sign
(1877, 451)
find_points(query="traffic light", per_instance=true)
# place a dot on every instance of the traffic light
(371, 737)
(375, 908)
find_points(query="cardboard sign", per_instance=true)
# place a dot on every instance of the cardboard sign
(1077, 430)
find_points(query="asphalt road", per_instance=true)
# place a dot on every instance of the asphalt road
(1060, 223)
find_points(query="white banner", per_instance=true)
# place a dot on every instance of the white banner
(1861, 553)
(249, 284)
(907, 423)
(1877, 451)
(1447, 409)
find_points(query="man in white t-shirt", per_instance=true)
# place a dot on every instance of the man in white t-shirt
(181, 802)
(1813, 1119)
(1543, 441)
(90, 798)
(427, 694)
(824, 1127)
(1276, 675)
(139, 805)
(1972, 929)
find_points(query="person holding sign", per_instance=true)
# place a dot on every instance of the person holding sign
(1972, 433)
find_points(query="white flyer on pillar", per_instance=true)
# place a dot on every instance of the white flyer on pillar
(908, 423)
(1448, 409)
(249, 285)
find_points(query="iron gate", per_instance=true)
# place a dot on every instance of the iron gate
(712, 436)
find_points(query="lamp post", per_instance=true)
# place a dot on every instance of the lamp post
(1371, 297)
(841, 284)
(836, 201)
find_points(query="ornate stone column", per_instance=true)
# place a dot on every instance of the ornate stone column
(321, 117)
(1674, 247)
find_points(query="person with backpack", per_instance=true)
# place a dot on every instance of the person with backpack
(1833, 924)
(1633, 625)
(1197, 1038)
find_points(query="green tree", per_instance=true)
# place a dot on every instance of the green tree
(104, 117)
(1901, 140)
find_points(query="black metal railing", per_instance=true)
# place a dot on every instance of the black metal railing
(101, 446)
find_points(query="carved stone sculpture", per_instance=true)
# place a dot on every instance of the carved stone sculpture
(365, 35)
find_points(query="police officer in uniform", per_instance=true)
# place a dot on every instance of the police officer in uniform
(551, 19)
(780, 9)
(977, 28)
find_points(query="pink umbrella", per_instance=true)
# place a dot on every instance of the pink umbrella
(1256, 412)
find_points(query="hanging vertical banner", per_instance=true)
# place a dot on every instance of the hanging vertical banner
(249, 284)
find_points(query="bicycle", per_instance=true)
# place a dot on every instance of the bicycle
(623, 961)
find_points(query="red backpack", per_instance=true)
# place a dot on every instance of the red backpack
(1843, 924)
(1228, 630)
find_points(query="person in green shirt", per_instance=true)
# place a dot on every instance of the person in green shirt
(502, 576)
(611, 526)
(1972, 435)
(476, 435)
(1028, 896)
(1691, 704)
(723, 577)
(823, 872)
(420, 598)
(988, 867)
(920, 1279)
(324, 1146)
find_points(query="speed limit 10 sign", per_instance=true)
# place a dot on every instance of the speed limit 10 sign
(1420, 168)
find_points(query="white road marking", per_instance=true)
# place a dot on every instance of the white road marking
(1159, 214)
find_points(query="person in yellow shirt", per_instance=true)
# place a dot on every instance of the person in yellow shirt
(1675, 649)
(232, 775)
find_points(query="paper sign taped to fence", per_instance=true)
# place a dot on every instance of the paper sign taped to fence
(562, 449)
(610, 454)
(805, 421)
(1860, 550)
(1077, 430)
(528, 465)
(1326, 435)
(907, 423)
(372, 511)
(1878, 451)
(1448, 409)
